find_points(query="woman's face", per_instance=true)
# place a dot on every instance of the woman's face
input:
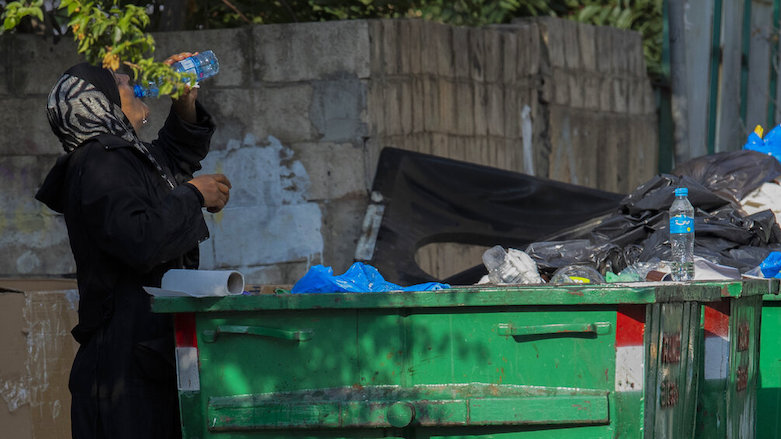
(136, 110)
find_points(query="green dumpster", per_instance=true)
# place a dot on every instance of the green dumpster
(727, 404)
(575, 361)
(769, 386)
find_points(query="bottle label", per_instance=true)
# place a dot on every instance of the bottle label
(681, 224)
(188, 65)
(580, 280)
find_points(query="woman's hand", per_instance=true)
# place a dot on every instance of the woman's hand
(215, 189)
(184, 105)
(178, 57)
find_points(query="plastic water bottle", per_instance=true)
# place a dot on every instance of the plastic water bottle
(203, 65)
(682, 236)
(510, 267)
(149, 91)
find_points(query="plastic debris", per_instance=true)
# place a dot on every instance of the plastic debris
(771, 266)
(510, 267)
(359, 278)
(577, 274)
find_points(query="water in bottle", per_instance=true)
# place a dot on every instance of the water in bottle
(149, 91)
(682, 236)
(203, 65)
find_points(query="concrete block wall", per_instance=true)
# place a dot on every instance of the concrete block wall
(455, 92)
(600, 106)
(578, 94)
(34, 240)
(304, 109)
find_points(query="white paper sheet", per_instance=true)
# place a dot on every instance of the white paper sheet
(767, 196)
(707, 270)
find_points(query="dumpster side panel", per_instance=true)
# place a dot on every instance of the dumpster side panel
(247, 358)
(672, 380)
(191, 414)
(445, 364)
(382, 339)
(743, 370)
(769, 392)
(727, 402)
(270, 357)
(712, 404)
(542, 346)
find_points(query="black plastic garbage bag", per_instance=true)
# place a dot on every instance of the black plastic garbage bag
(638, 230)
(764, 225)
(731, 174)
(724, 237)
(431, 199)
(657, 194)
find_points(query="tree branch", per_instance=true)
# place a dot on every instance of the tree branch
(236, 10)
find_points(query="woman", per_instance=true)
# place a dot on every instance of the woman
(133, 211)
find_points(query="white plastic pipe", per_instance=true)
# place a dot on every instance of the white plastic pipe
(203, 283)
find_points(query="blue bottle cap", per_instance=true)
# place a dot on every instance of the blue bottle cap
(681, 191)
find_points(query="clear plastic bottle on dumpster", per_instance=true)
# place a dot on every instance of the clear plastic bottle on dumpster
(577, 274)
(510, 267)
(682, 236)
(203, 65)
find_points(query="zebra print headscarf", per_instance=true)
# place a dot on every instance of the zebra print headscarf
(85, 103)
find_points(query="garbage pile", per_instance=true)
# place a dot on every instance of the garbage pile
(592, 236)
(734, 195)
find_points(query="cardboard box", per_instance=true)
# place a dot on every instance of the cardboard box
(36, 353)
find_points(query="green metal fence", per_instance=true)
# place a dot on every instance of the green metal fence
(732, 75)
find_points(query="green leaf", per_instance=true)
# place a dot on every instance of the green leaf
(99, 28)
(10, 23)
(166, 88)
(71, 5)
(624, 20)
(603, 16)
(586, 14)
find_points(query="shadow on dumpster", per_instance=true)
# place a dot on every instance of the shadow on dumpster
(367, 359)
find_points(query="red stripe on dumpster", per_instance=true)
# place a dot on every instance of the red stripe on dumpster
(185, 330)
(187, 371)
(630, 350)
(630, 325)
(717, 319)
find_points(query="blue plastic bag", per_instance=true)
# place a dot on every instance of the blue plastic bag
(770, 144)
(771, 266)
(359, 278)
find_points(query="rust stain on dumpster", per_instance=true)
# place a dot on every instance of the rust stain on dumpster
(742, 378)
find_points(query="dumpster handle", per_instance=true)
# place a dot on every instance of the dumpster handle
(599, 328)
(210, 336)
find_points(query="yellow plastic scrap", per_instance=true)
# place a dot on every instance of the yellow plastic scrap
(758, 130)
